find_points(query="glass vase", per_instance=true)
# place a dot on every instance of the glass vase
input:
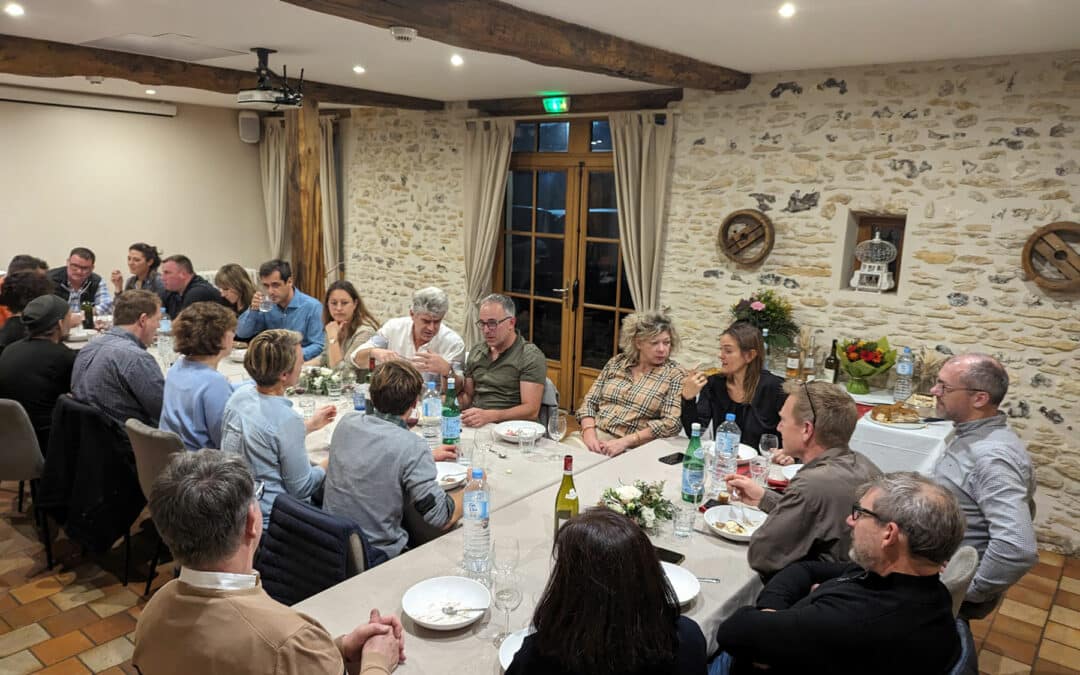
(858, 385)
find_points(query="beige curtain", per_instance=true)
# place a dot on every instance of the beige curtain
(328, 186)
(272, 174)
(487, 159)
(642, 152)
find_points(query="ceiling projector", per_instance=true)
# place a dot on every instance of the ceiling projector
(267, 95)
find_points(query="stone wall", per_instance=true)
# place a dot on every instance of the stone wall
(977, 154)
(402, 182)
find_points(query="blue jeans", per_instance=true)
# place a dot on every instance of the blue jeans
(721, 665)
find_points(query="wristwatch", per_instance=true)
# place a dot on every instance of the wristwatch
(332, 340)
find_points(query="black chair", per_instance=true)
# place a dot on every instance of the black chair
(89, 485)
(306, 550)
(968, 663)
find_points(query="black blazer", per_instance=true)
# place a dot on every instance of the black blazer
(760, 417)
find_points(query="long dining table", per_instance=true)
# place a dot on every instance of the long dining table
(531, 520)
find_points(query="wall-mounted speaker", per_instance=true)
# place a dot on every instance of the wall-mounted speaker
(250, 127)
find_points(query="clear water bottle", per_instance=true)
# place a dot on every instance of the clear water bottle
(728, 437)
(359, 398)
(905, 367)
(475, 520)
(165, 325)
(431, 416)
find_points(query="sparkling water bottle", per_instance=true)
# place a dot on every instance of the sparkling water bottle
(475, 522)
(431, 416)
(905, 367)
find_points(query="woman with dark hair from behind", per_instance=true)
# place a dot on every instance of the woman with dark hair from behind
(143, 261)
(348, 324)
(18, 290)
(608, 608)
(742, 387)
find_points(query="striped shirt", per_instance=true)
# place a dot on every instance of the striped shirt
(622, 406)
(989, 470)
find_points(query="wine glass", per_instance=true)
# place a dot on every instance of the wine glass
(507, 551)
(507, 595)
(768, 444)
(556, 425)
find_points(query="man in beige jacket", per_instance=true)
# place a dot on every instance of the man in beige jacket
(216, 618)
(809, 521)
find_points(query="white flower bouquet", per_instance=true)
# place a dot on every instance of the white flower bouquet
(317, 380)
(642, 501)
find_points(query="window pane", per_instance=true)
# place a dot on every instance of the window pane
(597, 337)
(625, 300)
(603, 215)
(551, 202)
(519, 201)
(549, 266)
(518, 264)
(600, 141)
(524, 137)
(524, 325)
(601, 266)
(554, 136)
(547, 333)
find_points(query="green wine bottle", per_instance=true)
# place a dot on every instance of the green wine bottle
(566, 501)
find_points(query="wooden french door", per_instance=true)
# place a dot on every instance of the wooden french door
(559, 256)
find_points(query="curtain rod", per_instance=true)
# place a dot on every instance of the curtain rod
(563, 116)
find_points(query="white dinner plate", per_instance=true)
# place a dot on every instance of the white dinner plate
(511, 645)
(450, 474)
(790, 470)
(79, 335)
(746, 453)
(509, 431)
(237, 355)
(424, 602)
(685, 584)
(718, 515)
(910, 426)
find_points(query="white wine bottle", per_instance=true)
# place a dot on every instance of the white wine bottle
(566, 501)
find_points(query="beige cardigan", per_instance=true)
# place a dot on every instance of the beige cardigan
(185, 629)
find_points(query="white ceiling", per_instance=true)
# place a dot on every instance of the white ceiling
(745, 35)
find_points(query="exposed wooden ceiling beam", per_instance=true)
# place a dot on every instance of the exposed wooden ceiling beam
(648, 99)
(501, 28)
(43, 58)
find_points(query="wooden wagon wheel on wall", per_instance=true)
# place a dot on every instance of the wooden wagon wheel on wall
(1051, 256)
(746, 236)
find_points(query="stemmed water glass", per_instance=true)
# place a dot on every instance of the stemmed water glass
(556, 425)
(507, 552)
(507, 587)
(768, 445)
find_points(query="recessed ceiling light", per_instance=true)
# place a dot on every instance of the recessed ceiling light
(151, 92)
(456, 60)
(358, 69)
(14, 9)
(787, 10)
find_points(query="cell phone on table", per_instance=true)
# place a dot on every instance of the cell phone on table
(709, 504)
(673, 458)
(669, 556)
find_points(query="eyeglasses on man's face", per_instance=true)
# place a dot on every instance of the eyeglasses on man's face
(948, 388)
(492, 324)
(857, 511)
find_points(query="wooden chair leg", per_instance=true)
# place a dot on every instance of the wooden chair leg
(42, 521)
(22, 484)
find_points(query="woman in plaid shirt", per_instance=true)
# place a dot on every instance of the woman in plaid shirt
(636, 396)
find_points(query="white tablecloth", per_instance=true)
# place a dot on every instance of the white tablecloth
(531, 520)
(893, 449)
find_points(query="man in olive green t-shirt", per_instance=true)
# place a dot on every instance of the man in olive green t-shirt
(505, 374)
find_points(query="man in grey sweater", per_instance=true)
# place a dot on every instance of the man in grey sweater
(989, 470)
(378, 468)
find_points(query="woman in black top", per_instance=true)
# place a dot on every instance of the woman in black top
(608, 608)
(743, 387)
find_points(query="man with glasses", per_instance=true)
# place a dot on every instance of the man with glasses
(989, 470)
(505, 374)
(886, 612)
(216, 617)
(77, 283)
(421, 337)
(807, 521)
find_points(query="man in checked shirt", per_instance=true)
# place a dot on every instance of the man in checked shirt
(988, 468)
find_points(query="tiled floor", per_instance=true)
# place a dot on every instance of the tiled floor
(78, 618)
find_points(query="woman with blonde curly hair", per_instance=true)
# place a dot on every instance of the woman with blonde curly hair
(636, 396)
(195, 392)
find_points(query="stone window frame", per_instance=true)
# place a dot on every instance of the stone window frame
(865, 224)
